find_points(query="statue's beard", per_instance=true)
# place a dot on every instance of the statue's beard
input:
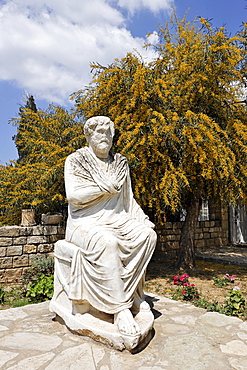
(102, 148)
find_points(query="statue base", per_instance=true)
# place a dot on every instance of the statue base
(104, 331)
(83, 319)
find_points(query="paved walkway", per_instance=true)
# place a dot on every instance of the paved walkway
(234, 254)
(185, 338)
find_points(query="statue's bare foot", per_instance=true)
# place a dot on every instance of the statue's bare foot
(140, 304)
(126, 323)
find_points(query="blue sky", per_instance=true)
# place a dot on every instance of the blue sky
(47, 46)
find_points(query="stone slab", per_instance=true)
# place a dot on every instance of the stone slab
(184, 338)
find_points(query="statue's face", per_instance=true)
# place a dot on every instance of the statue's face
(100, 140)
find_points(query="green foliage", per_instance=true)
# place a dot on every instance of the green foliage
(45, 138)
(178, 117)
(235, 305)
(190, 293)
(2, 295)
(37, 280)
(41, 289)
(221, 282)
(40, 267)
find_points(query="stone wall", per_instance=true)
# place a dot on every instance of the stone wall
(19, 246)
(213, 233)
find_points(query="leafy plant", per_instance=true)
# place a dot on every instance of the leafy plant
(224, 281)
(235, 305)
(37, 281)
(181, 280)
(41, 266)
(2, 295)
(41, 288)
(190, 293)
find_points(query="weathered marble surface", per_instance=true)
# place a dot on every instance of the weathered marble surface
(100, 268)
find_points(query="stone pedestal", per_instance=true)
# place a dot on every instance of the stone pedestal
(28, 217)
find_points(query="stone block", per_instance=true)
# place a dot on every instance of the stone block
(9, 231)
(168, 225)
(13, 275)
(61, 230)
(171, 237)
(48, 219)
(20, 261)
(176, 232)
(177, 225)
(54, 238)
(199, 236)
(218, 242)
(38, 230)
(45, 248)
(215, 235)
(161, 238)
(50, 230)
(37, 239)
(20, 240)
(30, 248)
(200, 243)
(3, 251)
(211, 230)
(6, 262)
(14, 250)
(2, 276)
(26, 230)
(4, 242)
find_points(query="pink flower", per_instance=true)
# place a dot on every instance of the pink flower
(186, 284)
(185, 275)
(192, 284)
(236, 288)
(182, 278)
(184, 291)
(226, 276)
(233, 278)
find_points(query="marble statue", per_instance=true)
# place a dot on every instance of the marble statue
(100, 267)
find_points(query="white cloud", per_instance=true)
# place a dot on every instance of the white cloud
(152, 5)
(47, 46)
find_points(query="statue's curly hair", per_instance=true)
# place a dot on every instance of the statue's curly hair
(93, 122)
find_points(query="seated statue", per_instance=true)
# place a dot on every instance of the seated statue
(114, 239)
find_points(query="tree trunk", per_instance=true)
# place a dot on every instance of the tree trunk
(186, 253)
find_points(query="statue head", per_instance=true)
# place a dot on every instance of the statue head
(99, 132)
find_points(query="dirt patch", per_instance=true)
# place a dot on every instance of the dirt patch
(159, 279)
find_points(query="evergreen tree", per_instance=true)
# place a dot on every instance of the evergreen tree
(179, 120)
(20, 144)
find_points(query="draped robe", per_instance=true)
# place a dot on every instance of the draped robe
(101, 203)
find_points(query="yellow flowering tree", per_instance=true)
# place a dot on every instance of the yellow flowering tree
(179, 120)
(36, 180)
